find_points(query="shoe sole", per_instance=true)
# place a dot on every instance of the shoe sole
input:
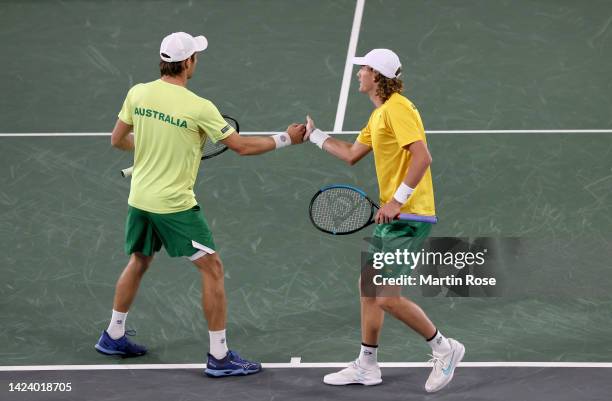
(107, 351)
(458, 359)
(233, 372)
(372, 383)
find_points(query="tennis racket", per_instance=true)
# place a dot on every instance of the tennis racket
(209, 150)
(343, 209)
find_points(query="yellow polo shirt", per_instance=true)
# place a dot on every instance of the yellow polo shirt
(391, 127)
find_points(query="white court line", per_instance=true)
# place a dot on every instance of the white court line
(249, 133)
(39, 134)
(294, 364)
(522, 131)
(348, 66)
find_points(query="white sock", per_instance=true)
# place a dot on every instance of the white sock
(218, 344)
(116, 327)
(439, 344)
(367, 355)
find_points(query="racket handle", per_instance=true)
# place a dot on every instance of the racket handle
(417, 217)
(126, 172)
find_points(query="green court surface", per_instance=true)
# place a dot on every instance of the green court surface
(292, 291)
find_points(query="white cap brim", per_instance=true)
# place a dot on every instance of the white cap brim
(359, 61)
(201, 43)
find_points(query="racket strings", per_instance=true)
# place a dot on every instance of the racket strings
(210, 148)
(340, 210)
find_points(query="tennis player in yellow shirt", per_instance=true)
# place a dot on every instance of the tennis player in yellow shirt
(396, 135)
(169, 124)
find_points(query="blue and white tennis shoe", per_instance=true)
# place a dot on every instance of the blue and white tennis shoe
(231, 365)
(355, 374)
(444, 366)
(121, 346)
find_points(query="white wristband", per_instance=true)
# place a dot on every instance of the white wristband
(402, 193)
(318, 137)
(282, 140)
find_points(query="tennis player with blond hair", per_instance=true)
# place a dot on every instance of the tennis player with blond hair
(396, 135)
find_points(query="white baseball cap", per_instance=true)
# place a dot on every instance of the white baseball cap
(179, 46)
(382, 60)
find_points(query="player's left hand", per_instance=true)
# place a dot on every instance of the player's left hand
(388, 212)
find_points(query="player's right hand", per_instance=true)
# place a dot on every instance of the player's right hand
(310, 126)
(296, 133)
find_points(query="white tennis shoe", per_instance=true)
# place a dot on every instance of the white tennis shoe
(444, 366)
(355, 374)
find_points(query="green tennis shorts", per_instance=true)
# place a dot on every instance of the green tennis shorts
(397, 236)
(181, 233)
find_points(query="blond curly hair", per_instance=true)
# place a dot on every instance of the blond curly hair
(387, 86)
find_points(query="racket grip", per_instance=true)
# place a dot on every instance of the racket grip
(126, 172)
(416, 217)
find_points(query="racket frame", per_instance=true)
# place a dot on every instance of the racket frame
(224, 148)
(344, 186)
(374, 207)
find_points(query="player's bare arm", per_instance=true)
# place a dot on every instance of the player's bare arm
(419, 162)
(252, 145)
(122, 138)
(351, 153)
